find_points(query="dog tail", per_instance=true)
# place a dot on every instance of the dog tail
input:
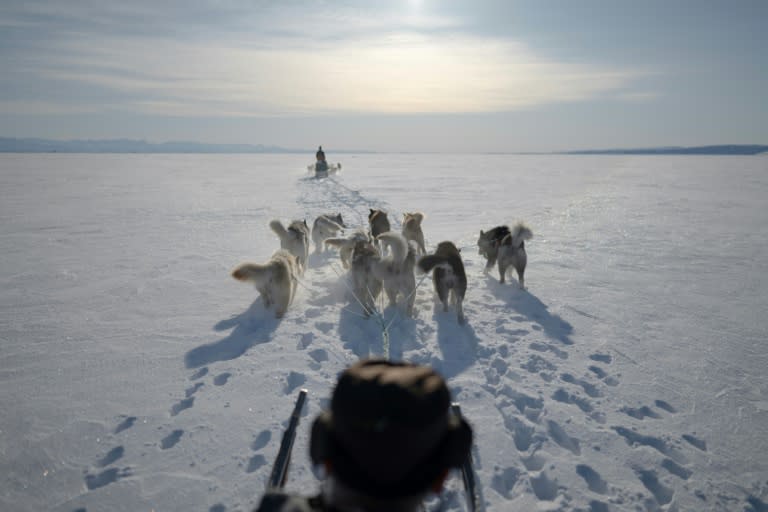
(397, 243)
(520, 232)
(278, 228)
(250, 272)
(328, 222)
(430, 261)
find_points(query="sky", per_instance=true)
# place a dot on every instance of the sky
(399, 75)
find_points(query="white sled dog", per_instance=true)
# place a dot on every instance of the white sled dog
(379, 223)
(347, 245)
(448, 276)
(365, 285)
(295, 239)
(512, 252)
(396, 270)
(275, 280)
(412, 230)
(326, 226)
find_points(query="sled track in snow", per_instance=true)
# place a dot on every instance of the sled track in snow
(317, 196)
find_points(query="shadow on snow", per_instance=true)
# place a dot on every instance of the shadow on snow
(530, 307)
(254, 326)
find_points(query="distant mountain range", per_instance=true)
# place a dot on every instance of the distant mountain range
(29, 145)
(725, 149)
(9, 145)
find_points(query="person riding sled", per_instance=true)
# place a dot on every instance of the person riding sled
(387, 442)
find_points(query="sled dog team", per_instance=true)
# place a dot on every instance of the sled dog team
(380, 259)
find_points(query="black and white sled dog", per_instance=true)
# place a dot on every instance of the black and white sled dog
(378, 222)
(512, 252)
(347, 245)
(365, 285)
(326, 226)
(488, 244)
(412, 230)
(275, 280)
(448, 276)
(396, 269)
(295, 239)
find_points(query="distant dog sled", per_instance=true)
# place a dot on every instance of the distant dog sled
(321, 168)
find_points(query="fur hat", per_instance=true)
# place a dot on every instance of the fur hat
(389, 432)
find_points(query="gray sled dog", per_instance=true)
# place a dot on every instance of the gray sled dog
(347, 245)
(326, 226)
(488, 244)
(512, 252)
(396, 269)
(412, 230)
(379, 223)
(365, 285)
(295, 239)
(448, 275)
(275, 280)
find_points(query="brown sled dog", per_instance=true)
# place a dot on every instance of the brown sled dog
(365, 284)
(275, 280)
(412, 230)
(448, 275)
(379, 223)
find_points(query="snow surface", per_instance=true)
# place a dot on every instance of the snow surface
(136, 374)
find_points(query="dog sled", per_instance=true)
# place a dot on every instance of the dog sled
(322, 169)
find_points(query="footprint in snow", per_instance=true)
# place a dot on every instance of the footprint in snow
(261, 440)
(559, 435)
(589, 388)
(504, 481)
(199, 374)
(695, 441)
(562, 396)
(319, 355)
(111, 456)
(676, 469)
(293, 381)
(106, 477)
(125, 424)
(182, 405)
(192, 390)
(593, 479)
(640, 413)
(305, 341)
(543, 487)
(602, 358)
(651, 482)
(221, 379)
(255, 462)
(171, 439)
(661, 404)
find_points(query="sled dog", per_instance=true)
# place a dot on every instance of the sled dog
(448, 275)
(347, 245)
(275, 280)
(326, 226)
(512, 252)
(396, 269)
(379, 223)
(295, 239)
(488, 244)
(365, 285)
(412, 230)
